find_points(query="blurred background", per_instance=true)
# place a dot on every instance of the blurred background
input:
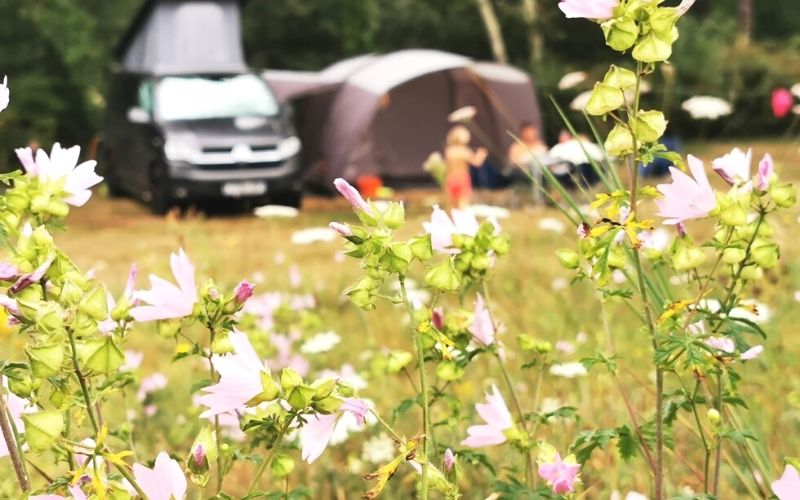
(59, 53)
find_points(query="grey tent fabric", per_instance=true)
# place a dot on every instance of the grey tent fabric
(383, 115)
(184, 37)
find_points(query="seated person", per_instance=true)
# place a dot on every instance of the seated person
(529, 146)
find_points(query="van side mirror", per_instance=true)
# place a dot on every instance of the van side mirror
(138, 115)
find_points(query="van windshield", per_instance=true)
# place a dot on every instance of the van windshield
(199, 97)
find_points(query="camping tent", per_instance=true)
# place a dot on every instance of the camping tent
(383, 115)
(184, 36)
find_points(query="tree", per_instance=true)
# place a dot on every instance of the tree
(745, 17)
(493, 30)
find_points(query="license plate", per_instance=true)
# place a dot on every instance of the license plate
(246, 188)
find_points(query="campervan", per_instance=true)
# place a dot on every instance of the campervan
(186, 120)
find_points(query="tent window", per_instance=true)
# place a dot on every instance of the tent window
(146, 96)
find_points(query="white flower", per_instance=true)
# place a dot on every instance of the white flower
(379, 449)
(321, 342)
(752, 310)
(551, 224)
(276, 211)
(568, 370)
(796, 90)
(707, 107)
(4, 94)
(462, 114)
(572, 79)
(580, 101)
(313, 235)
(559, 284)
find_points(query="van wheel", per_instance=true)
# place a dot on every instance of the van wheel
(160, 192)
(293, 198)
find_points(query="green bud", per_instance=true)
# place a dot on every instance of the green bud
(765, 253)
(282, 465)
(221, 345)
(459, 240)
(526, 342)
(42, 428)
(714, 417)
(21, 384)
(397, 258)
(620, 78)
(733, 255)
(421, 247)
(168, 328)
(70, 293)
(650, 126)
(481, 262)
(345, 389)
(300, 396)
(663, 20)
(620, 33)
(463, 261)
(687, 258)
(394, 216)
(443, 276)
(45, 360)
(569, 259)
(102, 355)
(290, 379)
(619, 141)
(203, 453)
(397, 360)
(95, 304)
(500, 244)
(328, 405)
(323, 388)
(449, 371)
(17, 201)
(653, 48)
(604, 99)
(49, 319)
(39, 202)
(731, 213)
(784, 195)
(752, 273)
(56, 208)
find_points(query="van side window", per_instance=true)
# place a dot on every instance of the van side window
(145, 100)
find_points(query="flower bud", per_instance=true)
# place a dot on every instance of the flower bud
(500, 244)
(56, 208)
(650, 126)
(168, 328)
(328, 405)
(394, 216)
(619, 141)
(481, 263)
(70, 293)
(323, 388)
(765, 253)
(752, 273)
(17, 200)
(421, 247)
(204, 452)
(345, 389)
(714, 417)
(449, 371)
(42, 428)
(687, 258)
(784, 195)
(621, 33)
(95, 305)
(653, 48)
(733, 255)
(243, 291)
(300, 397)
(604, 99)
(443, 277)
(282, 465)
(397, 360)
(22, 384)
(620, 78)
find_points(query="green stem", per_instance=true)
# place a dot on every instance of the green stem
(387, 427)
(11, 445)
(423, 382)
(263, 465)
(217, 428)
(718, 451)
(701, 431)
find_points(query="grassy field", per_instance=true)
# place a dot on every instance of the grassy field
(528, 290)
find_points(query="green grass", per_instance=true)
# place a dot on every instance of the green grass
(108, 235)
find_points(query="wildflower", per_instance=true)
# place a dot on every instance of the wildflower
(243, 291)
(723, 344)
(560, 474)
(589, 9)
(318, 430)
(437, 317)
(4, 94)
(242, 376)
(165, 300)
(133, 360)
(498, 420)
(572, 79)
(321, 342)
(765, 170)
(379, 449)
(686, 198)
(482, 327)
(26, 280)
(343, 229)
(788, 486)
(442, 228)
(352, 195)
(449, 460)
(62, 166)
(313, 235)
(164, 481)
(752, 353)
(782, 102)
(734, 167)
(568, 370)
(151, 384)
(706, 107)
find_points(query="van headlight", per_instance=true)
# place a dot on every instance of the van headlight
(179, 150)
(289, 147)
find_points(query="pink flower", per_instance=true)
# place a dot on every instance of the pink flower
(442, 228)
(686, 198)
(752, 353)
(788, 486)
(240, 378)
(109, 324)
(243, 291)
(560, 475)
(437, 318)
(62, 165)
(765, 170)
(4, 94)
(167, 301)
(318, 429)
(734, 167)
(723, 344)
(498, 419)
(8, 271)
(75, 492)
(782, 102)
(151, 384)
(684, 6)
(133, 360)
(482, 327)
(449, 460)
(352, 195)
(10, 305)
(29, 279)
(589, 9)
(164, 481)
(343, 229)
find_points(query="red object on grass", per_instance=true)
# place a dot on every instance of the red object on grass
(782, 102)
(369, 185)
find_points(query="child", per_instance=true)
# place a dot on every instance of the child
(458, 157)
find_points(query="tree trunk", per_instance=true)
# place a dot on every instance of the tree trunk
(745, 17)
(493, 30)
(530, 13)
